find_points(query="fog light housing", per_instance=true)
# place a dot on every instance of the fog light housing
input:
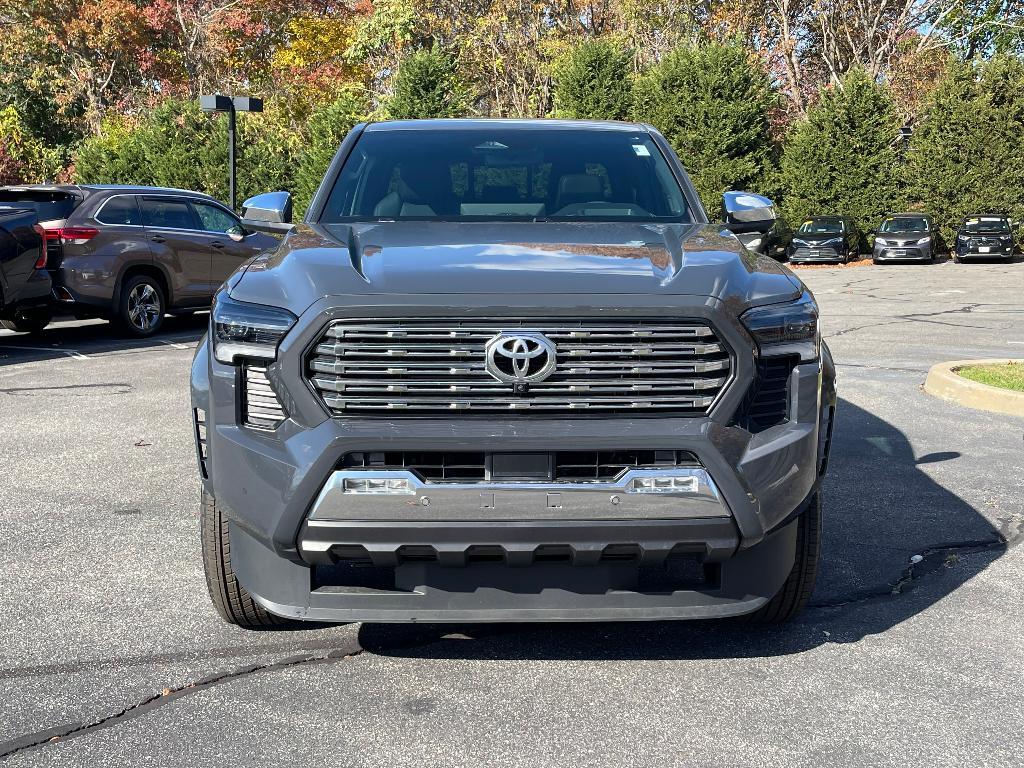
(378, 486)
(663, 484)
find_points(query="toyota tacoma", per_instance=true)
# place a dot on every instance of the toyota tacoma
(508, 371)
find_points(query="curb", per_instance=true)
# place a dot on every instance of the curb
(944, 382)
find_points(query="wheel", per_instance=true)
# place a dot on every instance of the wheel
(875, 261)
(234, 604)
(796, 590)
(141, 309)
(28, 321)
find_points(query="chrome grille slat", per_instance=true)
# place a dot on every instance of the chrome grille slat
(424, 366)
(261, 407)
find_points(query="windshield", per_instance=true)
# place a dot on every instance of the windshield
(904, 224)
(986, 224)
(491, 173)
(821, 227)
(48, 204)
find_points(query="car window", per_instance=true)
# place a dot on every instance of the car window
(822, 227)
(904, 224)
(492, 173)
(986, 224)
(120, 209)
(167, 214)
(48, 204)
(213, 218)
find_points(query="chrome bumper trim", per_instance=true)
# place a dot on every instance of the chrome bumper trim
(521, 500)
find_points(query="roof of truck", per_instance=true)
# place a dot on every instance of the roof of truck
(454, 124)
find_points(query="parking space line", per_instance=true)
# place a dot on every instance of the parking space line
(174, 344)
(74, 353)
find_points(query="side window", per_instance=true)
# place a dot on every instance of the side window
(215, 219)
(120, 209)
(167, 213)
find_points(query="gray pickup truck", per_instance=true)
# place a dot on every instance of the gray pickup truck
(507, 371)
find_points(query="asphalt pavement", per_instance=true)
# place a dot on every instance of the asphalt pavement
(111, 654)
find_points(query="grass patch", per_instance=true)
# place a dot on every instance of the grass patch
(1005, 376)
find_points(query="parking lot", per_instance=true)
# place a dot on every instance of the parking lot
(111, 654)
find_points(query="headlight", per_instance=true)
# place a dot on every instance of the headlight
(924, 240)
(1006, 237)
(881, 241)
(962, 238)
(798, 241)
(832, 241)
(786, 329)
(247, 330)
(755, 243)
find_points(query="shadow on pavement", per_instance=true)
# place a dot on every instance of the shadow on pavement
(85, 338)
(880, 510)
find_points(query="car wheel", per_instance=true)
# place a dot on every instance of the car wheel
(234, 604)
(29, 321)
(796, 590)
(141, 309)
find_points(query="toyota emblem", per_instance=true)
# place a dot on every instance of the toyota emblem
(520, 358)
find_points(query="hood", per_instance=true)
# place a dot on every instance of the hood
(526, 258)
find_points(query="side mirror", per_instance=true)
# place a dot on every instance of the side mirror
(745, 212)
(269, 212)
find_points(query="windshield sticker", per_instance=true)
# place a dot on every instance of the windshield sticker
(641, 150)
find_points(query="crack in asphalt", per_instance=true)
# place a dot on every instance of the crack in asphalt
(166, 696)
(933, 558)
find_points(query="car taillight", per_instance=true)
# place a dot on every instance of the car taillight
(45, 235)
(77, 235)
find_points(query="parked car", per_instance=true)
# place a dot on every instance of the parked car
(24, 282)
(507, 370)
(775, 242)
(133, 254)
(825, 238)
(905, 237)
(985, 236)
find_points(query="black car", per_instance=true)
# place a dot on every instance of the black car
(775, 242)
(132, 254)
(24, 283)
(985, 236)
(905, 237)
(825, 238)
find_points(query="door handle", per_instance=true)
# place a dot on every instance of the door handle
(158, 239)
(217, 244)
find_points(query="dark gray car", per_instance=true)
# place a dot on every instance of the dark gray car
(507, 371)
(905, 237)
(135, 253)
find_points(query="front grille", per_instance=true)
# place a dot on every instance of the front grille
(476, 466)
(817, 253)
(433, 367)
(261, 407)
(907, 252)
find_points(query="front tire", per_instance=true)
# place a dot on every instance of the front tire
(797, 589)
(29, 321)
(141, 308)
(232, 601)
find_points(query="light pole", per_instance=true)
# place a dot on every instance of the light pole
(232, 105)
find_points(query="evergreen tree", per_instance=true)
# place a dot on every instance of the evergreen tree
(966, 155)
(324, 132)
(842, 159)
(712, 104)
(593, 81)
(427, 85)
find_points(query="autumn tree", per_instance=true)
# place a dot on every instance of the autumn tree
(841, 159)
(712, 104)
(594, 80)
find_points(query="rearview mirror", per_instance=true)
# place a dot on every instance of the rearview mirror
(745, 212)
(269, 212)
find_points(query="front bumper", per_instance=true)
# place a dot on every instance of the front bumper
(902, 252)
(814, 254)
(994, 252)
(290, 525)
